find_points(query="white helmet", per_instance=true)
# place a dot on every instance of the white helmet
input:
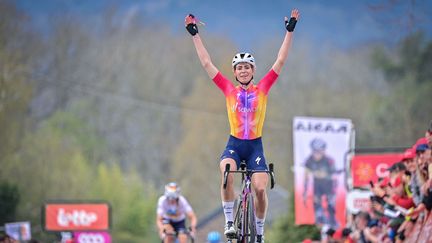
(243, 57)
(172, 190)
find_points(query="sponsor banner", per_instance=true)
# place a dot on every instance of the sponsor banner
(19, 230)
(370, 167)
(320, 146)
(358, 201)
(76, 216)
(92, 237)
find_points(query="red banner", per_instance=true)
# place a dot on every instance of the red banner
(370, 167)
(76, 216)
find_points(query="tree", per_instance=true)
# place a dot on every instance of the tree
(405, 108)
(15, 78)
(9, 199)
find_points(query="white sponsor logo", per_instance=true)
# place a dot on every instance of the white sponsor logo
(243, 109)
(258, 160)
(76, 218)
(90, 238)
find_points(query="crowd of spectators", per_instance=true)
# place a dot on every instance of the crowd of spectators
(398, 201)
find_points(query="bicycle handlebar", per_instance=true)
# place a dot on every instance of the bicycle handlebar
(175, 233)
(243, 170)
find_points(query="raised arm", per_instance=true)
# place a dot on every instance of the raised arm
(203, 55)
(286, 44)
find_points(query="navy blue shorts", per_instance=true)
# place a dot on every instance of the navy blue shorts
(179, 227)
(251, 151)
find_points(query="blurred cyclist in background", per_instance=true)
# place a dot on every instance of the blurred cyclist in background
(172, 210)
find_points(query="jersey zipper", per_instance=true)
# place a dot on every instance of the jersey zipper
(246, 132)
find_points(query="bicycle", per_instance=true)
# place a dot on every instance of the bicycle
(174, 234)
(244, 218)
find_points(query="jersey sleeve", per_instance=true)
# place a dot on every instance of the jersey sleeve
(267, 81)
(223, 83)
(160, 210)
(185, 204)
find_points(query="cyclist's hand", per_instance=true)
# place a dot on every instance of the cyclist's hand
(190, 23)
(291, 23)
(192, 233)
(162, 234)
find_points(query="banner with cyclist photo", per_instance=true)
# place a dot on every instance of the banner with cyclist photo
(320, 146)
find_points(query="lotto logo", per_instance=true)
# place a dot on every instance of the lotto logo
(76, 217)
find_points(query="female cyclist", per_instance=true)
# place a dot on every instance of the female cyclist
(246, 106)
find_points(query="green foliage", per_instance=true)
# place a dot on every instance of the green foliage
(133, 204)
(285, 230)
(9, 199)
(53, 156)
(406, 107)
(409, 61)
(15, 86)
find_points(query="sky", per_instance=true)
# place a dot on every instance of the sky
(343, 24)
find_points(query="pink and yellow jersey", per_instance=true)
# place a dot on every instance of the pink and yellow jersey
(246, 108)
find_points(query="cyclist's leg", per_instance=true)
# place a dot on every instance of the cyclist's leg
(227, 194)
(180, 228)
(229, 156)
(228, 197)
(169, 230)
(259, 185)
(257, 161)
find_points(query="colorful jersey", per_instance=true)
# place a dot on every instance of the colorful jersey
(175, 212)
(246, 107)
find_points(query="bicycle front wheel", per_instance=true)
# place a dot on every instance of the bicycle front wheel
(251, 219)
(238, 220)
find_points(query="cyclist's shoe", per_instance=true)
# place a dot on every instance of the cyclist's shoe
(259, 239)
(230, 231)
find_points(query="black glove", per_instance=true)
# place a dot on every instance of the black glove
(290, 25)
(191, 26)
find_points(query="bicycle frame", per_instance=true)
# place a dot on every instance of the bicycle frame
(245, 214)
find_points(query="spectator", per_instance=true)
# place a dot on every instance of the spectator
(7, 239)
(361, 221)
(424, 154)
(409, 158)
